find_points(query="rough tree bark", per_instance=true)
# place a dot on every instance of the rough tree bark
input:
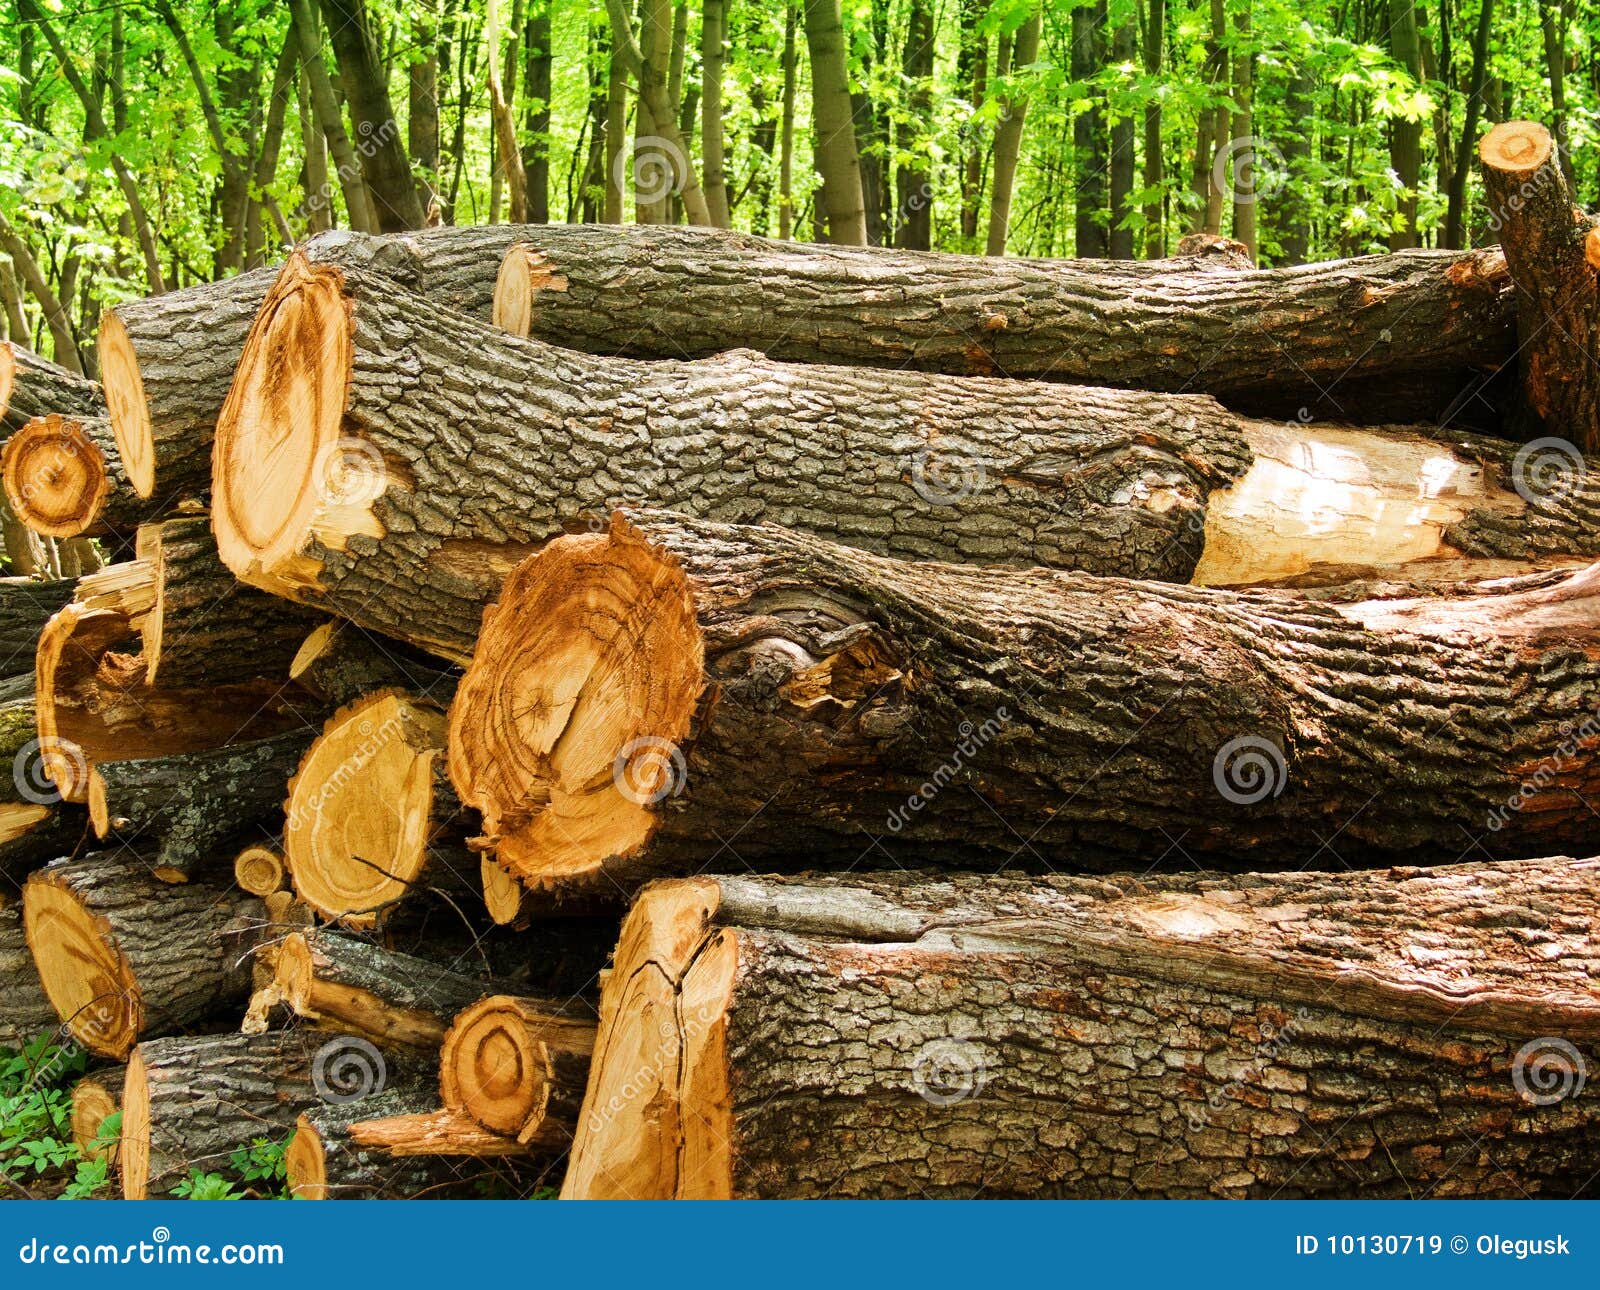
(25, 1012)
(754, 682)
(838, 163)
(1300, 1035)
(31, 387)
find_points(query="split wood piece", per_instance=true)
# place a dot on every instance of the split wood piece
(25, 1011)
(518, 1069)
(1557, 289)
(504, 896)
(393, 999)
(373, 513)
(285, 915)
(339, 663)
(260, 869)
(94, 705)
(63, 478)
(204, 627)
(323, 1162)
(1294, 1035)
(189, 806)
(31, 387)
(371, 817)
(435, 1133)
(123, 956)
(95, 1099)
(191, 1102)
(168, 360)
(1386, 337)
(641, 694)
(26, 605)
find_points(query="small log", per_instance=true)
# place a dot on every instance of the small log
(638, 692)
(31, 387)
(339, 663)
(1380, 337)
(95, 1099)
(189, 806)
(25, 1011)
(371, 817)
(123, 956)
(376, 515)
(191, 1102)
(435, 1133)
(63, 479)
(518, 1068)
(168, 360)
(1293, 1035)
(1544, 238)
(260, 869)
(504, 896)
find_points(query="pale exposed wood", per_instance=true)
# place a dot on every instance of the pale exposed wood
(504, 896)
(260, 870)
(62, 478)
(435, 1133)
(517, 1068)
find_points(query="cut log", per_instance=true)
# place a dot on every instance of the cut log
(1381, 338)
(26, 605)
(518, 1068)
(339, 663)
(260, 870)
(435, 1133)
(31, 386)
(504, 896)
(185, 809)
(1296, 1035)
(25, 1012)
(34, 826)
(642, 694)
(393, 999)
(168, 360)
(95, 1099)
(371, 817)
(1557, 289)
(63, 478)
(191, 1102)
(374, 513)
(123, 956)
(221, 632)
(323, 1163)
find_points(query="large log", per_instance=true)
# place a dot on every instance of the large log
(397, 439)
(1378, 337)
(371, 818)
(25, 1012)
(1295, 1035)
(31, 386)
(184, 809)
(518, 1067)
(123, 956)
(642, 694)
(1546, 240)
(168, 360)
(191, 1102)
(63, 478)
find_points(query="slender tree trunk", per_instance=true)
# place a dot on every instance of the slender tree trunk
(1155, 233)
(972, 74)
(284, 77)
(1123, 53)
(507, 149)
(56, 317)
(616, 128)
(1405, 137)
(383, 156)
(422, 104)
(1088, 134)
(591, 198)
(712, 22)
(357, 200)
(791, 18)
(1456, 211)
(914, 182)
(1245, 191)
(317, 200)
(539, 63)
(838, 162)
(1216, 146)
(1022, 52)
(1553, 20)
(655, 106)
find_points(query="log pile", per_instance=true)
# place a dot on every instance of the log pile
(661, 713)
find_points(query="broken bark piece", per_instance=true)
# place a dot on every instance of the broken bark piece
(1291, 1035)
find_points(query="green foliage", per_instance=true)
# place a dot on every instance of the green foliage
(36, 1115)
(256, 1172)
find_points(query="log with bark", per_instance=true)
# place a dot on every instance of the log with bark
(31, 386)
(1295, 1035)
(397, 439)
(435, 1133)
(184, 810)
(339, 663)
(26, 605)
(168, 360)
(95, 1099)
(25, 1012)
(518, 1068)
(122, 956)
(1545, 240)
(35, 827)
(63, 478)
(189, 1103)
(371, 818)
(1377, 338)
(259, 868)
(643, 695)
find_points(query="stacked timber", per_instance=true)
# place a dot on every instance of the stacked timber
(1007, 736)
